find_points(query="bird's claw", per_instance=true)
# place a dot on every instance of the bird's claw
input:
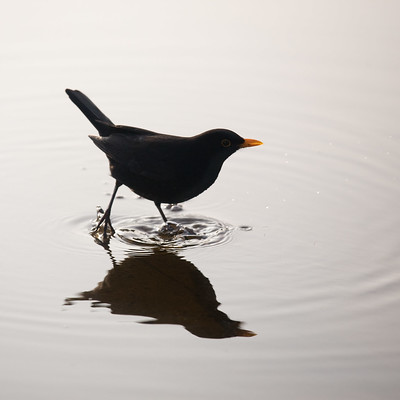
(105, 230)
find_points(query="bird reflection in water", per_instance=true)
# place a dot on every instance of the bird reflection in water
(167, 288)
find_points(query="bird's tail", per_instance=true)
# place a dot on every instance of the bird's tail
(92, 113)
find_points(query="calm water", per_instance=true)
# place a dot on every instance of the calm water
(299, 239)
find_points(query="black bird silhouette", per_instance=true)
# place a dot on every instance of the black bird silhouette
(162, 168)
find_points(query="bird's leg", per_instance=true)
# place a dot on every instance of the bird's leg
(106, 217)
(170, 229)
(158, 205)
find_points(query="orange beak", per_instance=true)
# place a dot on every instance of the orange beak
(250, 143)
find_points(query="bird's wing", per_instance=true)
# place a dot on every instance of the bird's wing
(140, 155)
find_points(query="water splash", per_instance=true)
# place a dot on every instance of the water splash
(182, 232)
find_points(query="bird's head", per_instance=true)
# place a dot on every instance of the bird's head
(224, 142)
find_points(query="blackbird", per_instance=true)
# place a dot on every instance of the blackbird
(162, 168)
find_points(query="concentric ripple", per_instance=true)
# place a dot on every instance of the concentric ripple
(182, 232)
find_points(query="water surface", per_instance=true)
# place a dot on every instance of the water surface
(297, 242)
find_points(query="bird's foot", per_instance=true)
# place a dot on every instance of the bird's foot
(102, 230)
(171, 229)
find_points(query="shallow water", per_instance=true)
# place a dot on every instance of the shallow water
(297, 242)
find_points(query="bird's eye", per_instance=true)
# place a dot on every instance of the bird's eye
(225, 143)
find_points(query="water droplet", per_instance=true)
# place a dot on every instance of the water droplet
(174, 207)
